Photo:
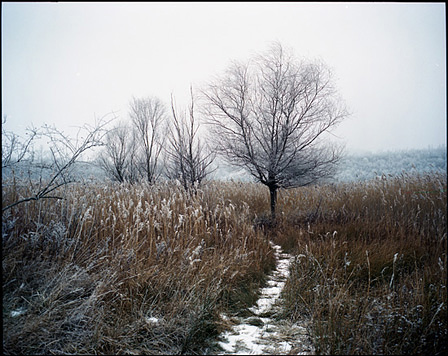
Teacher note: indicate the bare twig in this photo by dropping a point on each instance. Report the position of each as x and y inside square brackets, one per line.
[64, 160]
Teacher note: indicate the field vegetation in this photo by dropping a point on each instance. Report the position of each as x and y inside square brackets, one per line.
[120, 268]
[370, 264]
[148, 269]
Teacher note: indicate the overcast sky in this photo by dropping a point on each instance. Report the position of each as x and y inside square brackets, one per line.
[65, 63]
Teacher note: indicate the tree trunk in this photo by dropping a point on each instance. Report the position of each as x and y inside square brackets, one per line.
[273, 193]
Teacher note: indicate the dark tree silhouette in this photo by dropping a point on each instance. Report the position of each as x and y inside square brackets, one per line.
[189, 157]
[148, 118]
[118, 158]
[270, 115]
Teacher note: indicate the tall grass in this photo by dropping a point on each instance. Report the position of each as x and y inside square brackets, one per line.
[370, 265]
[132, 269]
[127, 268]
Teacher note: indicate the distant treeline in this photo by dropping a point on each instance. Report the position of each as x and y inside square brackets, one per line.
[353, 167]
[361, 167]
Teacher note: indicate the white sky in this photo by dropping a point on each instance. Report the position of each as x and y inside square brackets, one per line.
[65, 63]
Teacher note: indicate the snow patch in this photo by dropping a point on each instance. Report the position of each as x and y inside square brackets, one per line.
[151, 320]
[263, 335]
[18, 312]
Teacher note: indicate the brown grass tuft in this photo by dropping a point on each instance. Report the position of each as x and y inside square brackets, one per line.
[370, 266]
[140, 269]
[128, 268]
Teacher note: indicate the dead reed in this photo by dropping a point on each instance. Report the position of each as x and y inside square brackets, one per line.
[119, 269]
[132, 269]
[370, 266]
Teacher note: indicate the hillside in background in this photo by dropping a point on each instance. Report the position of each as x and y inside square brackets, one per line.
[366, 166]
[353, 167]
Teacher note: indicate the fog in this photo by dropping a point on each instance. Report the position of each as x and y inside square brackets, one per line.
[67, 63]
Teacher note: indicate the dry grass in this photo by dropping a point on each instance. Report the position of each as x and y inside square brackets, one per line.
[370, 267]
[127, 269]
[122, 269]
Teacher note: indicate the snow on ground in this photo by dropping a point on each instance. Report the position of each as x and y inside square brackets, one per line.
[261, 333]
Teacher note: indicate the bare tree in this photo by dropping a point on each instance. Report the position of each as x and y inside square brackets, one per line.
[65, 151]
[14, 148]
[148, 115]
[118, 158]
[270, 115]
[189, 157]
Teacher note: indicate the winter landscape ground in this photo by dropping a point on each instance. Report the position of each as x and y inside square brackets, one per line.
[348, 267]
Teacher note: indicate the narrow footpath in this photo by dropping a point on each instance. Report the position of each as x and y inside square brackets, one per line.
[262, 333]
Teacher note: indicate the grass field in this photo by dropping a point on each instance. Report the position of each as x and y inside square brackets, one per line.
[370, 266]
[139, 269]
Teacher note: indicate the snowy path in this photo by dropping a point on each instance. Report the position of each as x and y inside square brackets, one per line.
[261, 333]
